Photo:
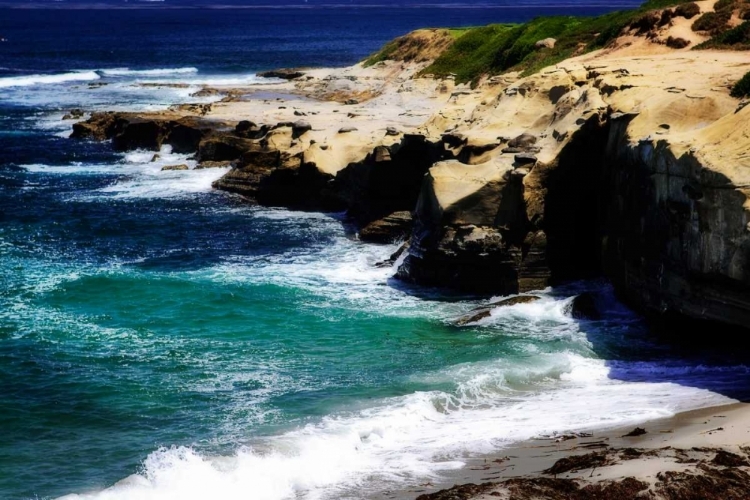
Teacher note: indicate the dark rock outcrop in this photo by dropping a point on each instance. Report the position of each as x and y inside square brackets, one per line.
[485, 312]
[284, 74]
[583, 306]
[520, 231]
[129, 131]
[393, 227]
[676, 240]
[388, 180]
[470, 243]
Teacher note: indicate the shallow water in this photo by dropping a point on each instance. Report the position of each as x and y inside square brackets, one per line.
[162, 340]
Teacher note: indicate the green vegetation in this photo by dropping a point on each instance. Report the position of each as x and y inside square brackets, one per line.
[474, 52]
[717, 22]
[737, 38]
[470, 55]
[457, 33]
[742, 87]
[687, 10]
[497, 48]
[384, 54]
[712, 22]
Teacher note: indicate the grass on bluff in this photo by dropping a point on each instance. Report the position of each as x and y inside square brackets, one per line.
[497, 48]
[737, 38]
[742, 87]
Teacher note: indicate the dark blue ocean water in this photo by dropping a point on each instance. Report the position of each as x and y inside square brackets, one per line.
[160, 340]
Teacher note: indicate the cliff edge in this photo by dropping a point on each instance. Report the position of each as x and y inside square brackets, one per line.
[558, 150]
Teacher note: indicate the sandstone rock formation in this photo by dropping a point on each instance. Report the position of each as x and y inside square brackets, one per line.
[629, 163]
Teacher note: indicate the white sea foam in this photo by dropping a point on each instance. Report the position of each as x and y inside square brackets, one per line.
[217, 80]
[29, 80]
[411, 438]
[139, 177]
[146, 179]
[148, 72]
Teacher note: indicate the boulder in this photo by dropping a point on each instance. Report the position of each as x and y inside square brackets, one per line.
[583, 306]
[176, 167]
[351, 102]
[284, 74]
[393, 227]
[392, 131]
[347, 130]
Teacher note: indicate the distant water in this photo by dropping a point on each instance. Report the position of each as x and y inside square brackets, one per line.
[159, 340]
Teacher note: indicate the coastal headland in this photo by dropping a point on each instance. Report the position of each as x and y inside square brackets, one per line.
[513, 158]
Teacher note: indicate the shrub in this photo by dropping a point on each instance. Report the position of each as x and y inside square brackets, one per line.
[687, 10]
[737, 38]
[677, 43]
[712, 22]
[723, 5]
[742, 87]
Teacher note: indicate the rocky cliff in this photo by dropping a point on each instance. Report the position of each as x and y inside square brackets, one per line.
[629, 162]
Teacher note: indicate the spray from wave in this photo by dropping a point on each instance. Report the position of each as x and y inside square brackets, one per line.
[30, 80]
[148, 72]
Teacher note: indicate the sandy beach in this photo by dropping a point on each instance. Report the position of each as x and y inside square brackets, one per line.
[687, 443]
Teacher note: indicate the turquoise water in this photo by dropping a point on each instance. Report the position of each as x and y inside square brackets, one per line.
[161, 340]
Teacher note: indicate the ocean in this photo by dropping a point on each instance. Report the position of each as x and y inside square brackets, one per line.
[161, 340]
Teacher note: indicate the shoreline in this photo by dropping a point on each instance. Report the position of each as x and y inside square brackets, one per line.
[481, 147]
[683, 443]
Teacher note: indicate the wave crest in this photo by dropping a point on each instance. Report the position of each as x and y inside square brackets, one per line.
[148, 72]
[30, 80]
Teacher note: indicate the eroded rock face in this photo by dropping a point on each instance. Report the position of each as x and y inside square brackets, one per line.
[466, 229]
[391, 228]
[676, 239]
[496, 228]
[129, 131]
[388, 180]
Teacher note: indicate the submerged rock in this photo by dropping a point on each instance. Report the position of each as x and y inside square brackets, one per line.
[73, 114]
[284, 74]
[583, 307]
[485, 312]
[513, 301]
[176, 167]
